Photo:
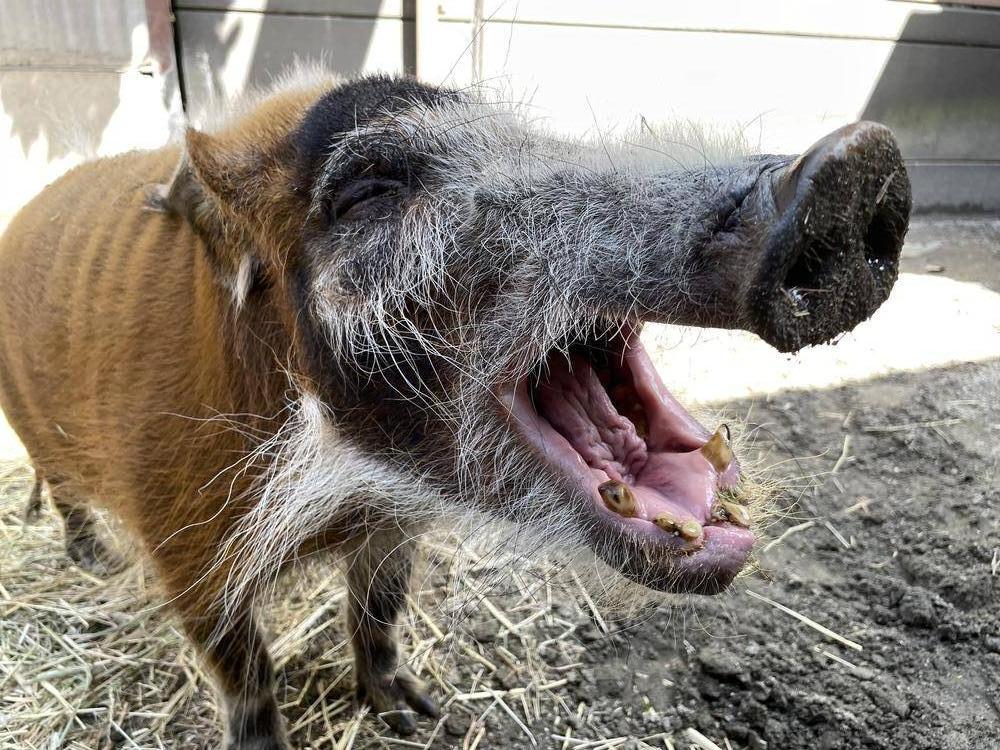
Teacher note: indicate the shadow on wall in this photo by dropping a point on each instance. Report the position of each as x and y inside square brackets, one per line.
[60, 66]
[80, 80]
[68, 114]
[940, 93]
[224, 53]
[63, 79]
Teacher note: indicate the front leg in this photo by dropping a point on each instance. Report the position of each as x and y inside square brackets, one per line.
[378, 580]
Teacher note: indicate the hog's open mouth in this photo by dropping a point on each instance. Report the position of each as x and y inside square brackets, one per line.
[659, 484]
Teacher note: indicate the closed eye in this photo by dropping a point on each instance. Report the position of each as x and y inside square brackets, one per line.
[363, 200]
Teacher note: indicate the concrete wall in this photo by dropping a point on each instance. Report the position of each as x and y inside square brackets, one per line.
[227, 46]
[85, 78]
[79, 79]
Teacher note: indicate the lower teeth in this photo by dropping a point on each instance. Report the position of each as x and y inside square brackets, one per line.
[667, 522]
[618, 498]
[738, 514]
[689, 530]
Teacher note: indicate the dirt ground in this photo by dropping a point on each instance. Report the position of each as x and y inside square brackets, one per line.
[901, 555]
[874, 622]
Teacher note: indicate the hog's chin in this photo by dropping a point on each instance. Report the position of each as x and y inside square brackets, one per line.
[654, 478]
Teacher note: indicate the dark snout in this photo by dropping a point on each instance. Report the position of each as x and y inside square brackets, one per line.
[829, 251]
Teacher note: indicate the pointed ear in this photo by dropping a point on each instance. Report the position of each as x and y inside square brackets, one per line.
[227, 167]
[183, 195]
[214, 187]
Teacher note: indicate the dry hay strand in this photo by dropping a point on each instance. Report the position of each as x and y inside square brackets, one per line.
[91, 663]
[85, 662]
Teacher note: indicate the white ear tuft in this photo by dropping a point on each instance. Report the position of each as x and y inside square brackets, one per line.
[242, 281]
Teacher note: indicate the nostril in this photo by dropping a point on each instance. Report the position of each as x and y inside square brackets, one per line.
[882, 243]
[819, 260]
[805, 271]
[832, 254]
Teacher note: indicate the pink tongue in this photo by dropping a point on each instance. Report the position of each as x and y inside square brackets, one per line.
[576, 404]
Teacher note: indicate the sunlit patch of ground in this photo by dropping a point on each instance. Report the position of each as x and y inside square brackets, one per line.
[928, 321]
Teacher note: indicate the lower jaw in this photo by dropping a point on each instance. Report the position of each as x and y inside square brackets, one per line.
[635, 546]
[641, 555]
[684, 484]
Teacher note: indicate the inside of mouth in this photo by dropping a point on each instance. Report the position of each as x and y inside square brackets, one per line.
[603, 414]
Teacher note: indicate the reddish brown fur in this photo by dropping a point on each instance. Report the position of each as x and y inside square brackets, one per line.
[118, 342]
[119, 349]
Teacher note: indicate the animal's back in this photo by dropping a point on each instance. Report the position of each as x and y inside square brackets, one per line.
[99, 304]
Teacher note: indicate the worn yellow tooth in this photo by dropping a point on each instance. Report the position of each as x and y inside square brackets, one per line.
[667, 522]
[717, 450]
[690, 530]
[619, 498]
[738, 514]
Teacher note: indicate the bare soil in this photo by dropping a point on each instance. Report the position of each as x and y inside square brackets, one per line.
[902, 557]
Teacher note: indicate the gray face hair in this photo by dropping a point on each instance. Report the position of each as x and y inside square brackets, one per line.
[483, 251]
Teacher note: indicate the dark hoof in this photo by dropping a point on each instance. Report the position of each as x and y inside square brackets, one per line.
[255, 724]
[33, 508]
[90, 553]
[396, 698]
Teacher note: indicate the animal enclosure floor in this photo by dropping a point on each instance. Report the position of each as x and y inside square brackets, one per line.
[896, 551]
